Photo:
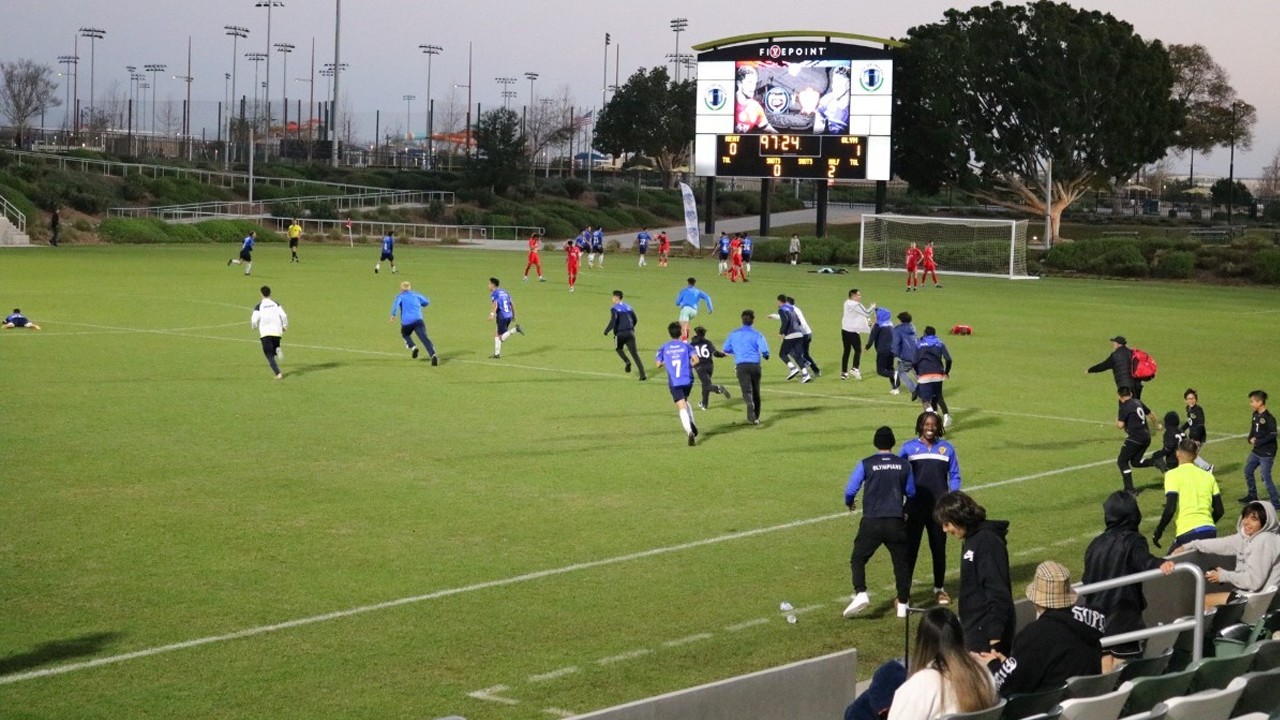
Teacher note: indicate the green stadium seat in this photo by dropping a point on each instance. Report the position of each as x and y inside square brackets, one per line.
[1083, 686]
[1098, 707]
[1261, 693]
[992, 713]
[1208, 705]
[1146, 667]
[1216, 673]
[1024, 705]
[1147, 692]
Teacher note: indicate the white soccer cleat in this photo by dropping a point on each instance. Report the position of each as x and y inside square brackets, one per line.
[895, 391]
[857, 374]
[946, 421]
[860, 602]
[794, 372]
[902, 609]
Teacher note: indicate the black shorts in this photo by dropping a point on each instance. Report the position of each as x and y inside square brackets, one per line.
[724, 254]
[680, 392]
[387, 256]
[246, 255]
[293, 242]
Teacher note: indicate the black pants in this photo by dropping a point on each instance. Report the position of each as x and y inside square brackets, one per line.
[793, 349]
[628, 340]
[1131, 453]
[852, 341]
[704, 370]
[892, 533]
[749, 381]
[808, 357]
[271, 343]
[884, 367]
[919, 521]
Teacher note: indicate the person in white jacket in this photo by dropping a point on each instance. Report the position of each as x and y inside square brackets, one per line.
[270, 321]
[1256, 546]
[943, 677]
[855, 323]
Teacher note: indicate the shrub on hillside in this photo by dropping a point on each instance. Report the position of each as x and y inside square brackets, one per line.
[1266, 267]
[574, 187]
[132, 230]
[231, 231]
[1175, 264]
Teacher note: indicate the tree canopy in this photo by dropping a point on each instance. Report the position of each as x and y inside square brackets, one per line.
[500, 160]
[26, 90]
[650, 115]
[985, 98]
[1215, 117]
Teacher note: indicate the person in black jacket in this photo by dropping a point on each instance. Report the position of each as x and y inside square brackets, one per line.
[1062, 642]
[1120, 363]
[707, 353]
[1120, 550]
[1194, 428]
[1132, 418]
[986, 595]
[622, 323]
[888, 483]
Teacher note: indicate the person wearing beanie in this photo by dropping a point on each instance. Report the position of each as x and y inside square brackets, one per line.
[888, 483]
[1063, 641]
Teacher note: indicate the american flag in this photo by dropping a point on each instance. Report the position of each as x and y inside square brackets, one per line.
[584, 120]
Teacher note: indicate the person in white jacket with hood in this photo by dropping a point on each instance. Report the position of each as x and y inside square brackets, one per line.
[1256, 546]
[270, 321]
[855, 322]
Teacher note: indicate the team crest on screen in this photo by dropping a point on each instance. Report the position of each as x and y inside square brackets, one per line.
[715, 97]
[872, 78]
[776, 100]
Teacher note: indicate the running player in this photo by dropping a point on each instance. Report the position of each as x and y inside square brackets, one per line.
[642, 245]
[913, 267]
[246, 253]
[678, 357]
[388, 252]
[535, 244]
[707, 353]
[723, 245]
[664, 249]
[687, 300]
[503, 311]
[295, 234]
[597, 248]
[572, 259]
[930, 267]
[622, 323]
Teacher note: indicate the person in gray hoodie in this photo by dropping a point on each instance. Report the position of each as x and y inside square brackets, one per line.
[1257, 550]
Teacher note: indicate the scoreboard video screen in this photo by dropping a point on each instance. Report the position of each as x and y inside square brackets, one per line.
[813, 110]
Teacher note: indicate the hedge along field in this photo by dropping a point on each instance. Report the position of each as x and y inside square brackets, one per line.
[535, 522]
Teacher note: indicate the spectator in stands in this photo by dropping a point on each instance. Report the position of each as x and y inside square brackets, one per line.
[1062, 642]
[986, 596]
[943, 677]
[1192, 495]
[1120, 550]
[874, 702]
[1256, 547]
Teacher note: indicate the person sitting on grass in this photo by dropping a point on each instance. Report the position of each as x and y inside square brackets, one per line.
[1257, 550]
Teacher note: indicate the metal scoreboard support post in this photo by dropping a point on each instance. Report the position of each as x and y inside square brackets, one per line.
[800, 105]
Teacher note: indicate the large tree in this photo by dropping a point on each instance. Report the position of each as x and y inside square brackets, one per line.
[500, 160]
[26, 90]
[650, 115]
[990, 95]
[1205, 91]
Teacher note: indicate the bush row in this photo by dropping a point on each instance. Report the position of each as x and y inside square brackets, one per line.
[1252, 258]
[151, 230]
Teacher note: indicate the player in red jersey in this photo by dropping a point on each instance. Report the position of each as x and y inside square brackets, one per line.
[735, 259]
[664, 249]
[535, 244]
[749, 115]
[572, 257]
[914, 256]
[930, 267]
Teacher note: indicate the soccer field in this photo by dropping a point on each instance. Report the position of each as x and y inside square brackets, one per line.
[185, 536]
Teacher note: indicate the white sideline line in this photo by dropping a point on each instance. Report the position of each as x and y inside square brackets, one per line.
[544, 677]
[808, 608]
[621, 657]
[687, 639]
[745, 625]
[487, 694]
[489, 584]
[559, 712]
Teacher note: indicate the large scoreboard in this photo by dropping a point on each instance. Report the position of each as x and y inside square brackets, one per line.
[797, 109]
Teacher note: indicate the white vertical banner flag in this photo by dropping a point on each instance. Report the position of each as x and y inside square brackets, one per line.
[690, 214]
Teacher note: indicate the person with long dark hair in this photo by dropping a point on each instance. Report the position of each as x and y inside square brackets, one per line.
[986, 593]
[943, 677]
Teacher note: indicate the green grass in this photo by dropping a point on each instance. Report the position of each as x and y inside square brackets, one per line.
[159, 486]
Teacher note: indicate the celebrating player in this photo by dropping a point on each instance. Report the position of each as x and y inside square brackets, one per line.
[930, 267]
[664, 248]
[914, 256]
[572, 259]
[535, 244]
[723, 244]
[503, 311]
[597, 248]
[408, 305]
[622, 323]
[687, 300]
[735, 260]
[388, 252]
[678, 357]
[749, 114]
[642, 245]
[17, 320]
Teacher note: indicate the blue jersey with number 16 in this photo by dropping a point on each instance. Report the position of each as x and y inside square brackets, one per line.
[677, 357]
[503, 302]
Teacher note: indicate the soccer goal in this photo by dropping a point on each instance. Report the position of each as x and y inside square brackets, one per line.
[961, 246]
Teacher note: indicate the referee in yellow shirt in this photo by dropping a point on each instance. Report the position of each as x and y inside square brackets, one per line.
[295, 233]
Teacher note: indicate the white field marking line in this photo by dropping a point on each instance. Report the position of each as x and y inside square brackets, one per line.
[559, 712]
[622, 657]
[688, 639]
[881, 401]
[488, 584]
[745, 625]
[554, 674]
[807, 609]
[488, 694]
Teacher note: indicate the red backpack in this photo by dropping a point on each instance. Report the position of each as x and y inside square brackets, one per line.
[1144, 366]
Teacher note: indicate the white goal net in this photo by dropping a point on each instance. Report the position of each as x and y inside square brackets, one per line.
[961, 246]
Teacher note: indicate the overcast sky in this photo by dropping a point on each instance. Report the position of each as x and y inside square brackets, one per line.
[562, 40]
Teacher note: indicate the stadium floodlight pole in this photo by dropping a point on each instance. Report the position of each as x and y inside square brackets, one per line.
[604, 82]
[678, 25]
[154, 68]
[284, 49]
[1231, 168]
[505, 82]
[266, 95]
[408, 114]
[70, 61]
[531, 76]
[507, 97]
[256, 58]
[94, 35]
[430, 51]
[236, 32]
[337, 67]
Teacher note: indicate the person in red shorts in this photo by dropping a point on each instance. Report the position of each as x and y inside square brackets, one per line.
[664, 249]
[735, 260]
[930, 267]
[572, 257]
[914, 256]
[535, 244]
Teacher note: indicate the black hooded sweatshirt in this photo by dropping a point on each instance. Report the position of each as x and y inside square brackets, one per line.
[1060, 644]
[986, 596]
[1120, 550]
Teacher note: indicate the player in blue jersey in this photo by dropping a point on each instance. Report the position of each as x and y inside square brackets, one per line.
[583, 241]
[597, 248]
[388, 252]
[748, 246]
[246, 253]
[679, 357]
[687, 300]
[643, 238]
[17, 320]
[722, 252]
[503, 311]
[409, 305]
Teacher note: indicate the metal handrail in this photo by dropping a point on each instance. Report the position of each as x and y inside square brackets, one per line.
[19, 217]
[234, 207]
[1197, 620]
[415, 231]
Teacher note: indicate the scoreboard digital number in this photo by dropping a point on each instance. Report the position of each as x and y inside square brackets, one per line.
[815, 157]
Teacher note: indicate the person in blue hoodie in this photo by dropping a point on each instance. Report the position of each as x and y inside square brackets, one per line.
[904, 350]
[408, 304]
[936, 470]
[933, 365]
[881, 338]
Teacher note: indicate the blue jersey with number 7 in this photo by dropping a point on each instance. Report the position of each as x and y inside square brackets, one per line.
[677, 357]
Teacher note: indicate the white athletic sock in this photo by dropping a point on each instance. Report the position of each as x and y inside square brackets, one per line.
[235, 261]
[506, 335]
[377, 267]
[247, 268]
[686, 421]
[497, 346]
[791, 365]
[748, 267]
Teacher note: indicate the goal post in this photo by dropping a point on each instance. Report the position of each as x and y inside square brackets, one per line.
[981, 247]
